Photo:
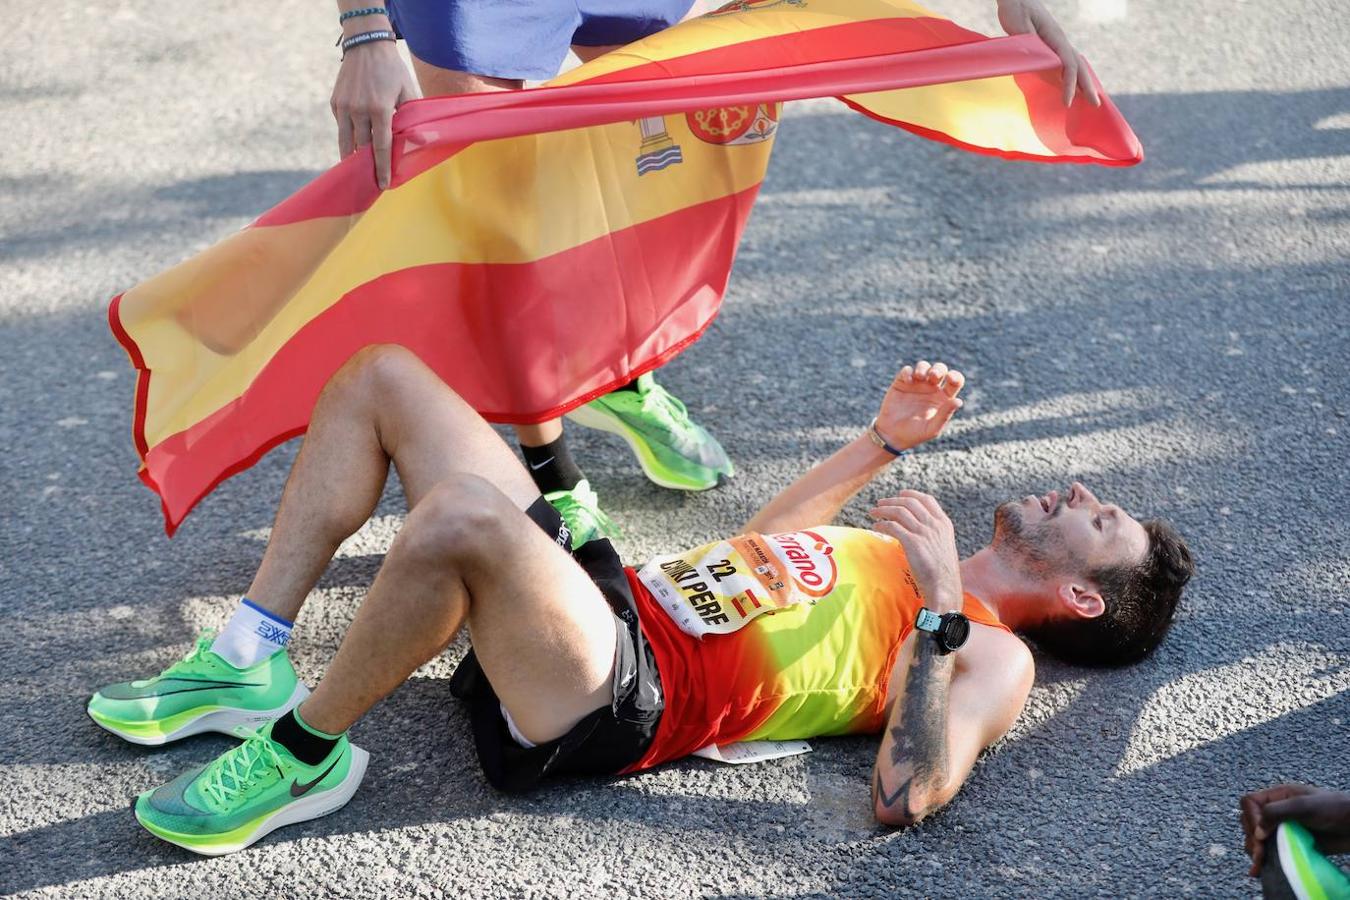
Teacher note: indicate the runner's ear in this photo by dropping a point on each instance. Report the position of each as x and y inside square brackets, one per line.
[1080, 601]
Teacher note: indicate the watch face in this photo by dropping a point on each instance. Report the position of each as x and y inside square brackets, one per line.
[955, 630]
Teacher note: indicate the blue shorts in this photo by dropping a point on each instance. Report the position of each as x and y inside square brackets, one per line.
[525, 39]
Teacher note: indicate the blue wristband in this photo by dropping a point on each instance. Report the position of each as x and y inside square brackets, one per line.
[881, 441]
[357, 13]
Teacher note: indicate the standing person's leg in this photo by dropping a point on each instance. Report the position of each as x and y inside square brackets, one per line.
[673, 450]
[466, 552]
[460, 48]
[464, 46]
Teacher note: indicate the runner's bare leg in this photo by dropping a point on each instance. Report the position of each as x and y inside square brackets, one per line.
[466, 553]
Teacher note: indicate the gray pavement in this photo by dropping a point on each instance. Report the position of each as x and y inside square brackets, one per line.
[1174, 334]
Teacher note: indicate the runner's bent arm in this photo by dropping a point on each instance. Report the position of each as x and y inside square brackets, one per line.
[945, 711]
[945, 708]
[917, 406]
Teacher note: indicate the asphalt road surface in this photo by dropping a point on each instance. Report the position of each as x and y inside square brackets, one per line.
[1175, 334]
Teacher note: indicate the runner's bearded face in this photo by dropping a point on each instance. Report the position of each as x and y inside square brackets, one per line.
[1066, 533]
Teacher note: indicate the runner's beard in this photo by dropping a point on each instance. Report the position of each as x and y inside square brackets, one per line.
[1035, 550]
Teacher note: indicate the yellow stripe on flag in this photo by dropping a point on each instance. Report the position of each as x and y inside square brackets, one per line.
[990, 112]
[509, 201]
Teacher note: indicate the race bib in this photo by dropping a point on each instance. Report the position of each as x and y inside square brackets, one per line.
[720, 587]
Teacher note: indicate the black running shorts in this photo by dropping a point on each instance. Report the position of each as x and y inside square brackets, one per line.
[606, 741]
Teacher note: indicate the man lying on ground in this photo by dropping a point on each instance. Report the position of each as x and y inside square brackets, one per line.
[579, 665]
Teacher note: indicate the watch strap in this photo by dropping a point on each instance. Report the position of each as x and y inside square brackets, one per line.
[881, 442]
[928, 621]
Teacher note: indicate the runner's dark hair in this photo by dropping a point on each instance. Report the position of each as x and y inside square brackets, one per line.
[1141, 601]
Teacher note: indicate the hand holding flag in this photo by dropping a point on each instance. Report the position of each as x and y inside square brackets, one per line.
[1030, 17]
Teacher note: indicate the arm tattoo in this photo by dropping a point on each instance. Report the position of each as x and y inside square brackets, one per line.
[919, 732]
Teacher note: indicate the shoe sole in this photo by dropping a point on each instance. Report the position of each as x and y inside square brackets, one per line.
[232, 720]
[590, 418]
[313, 807]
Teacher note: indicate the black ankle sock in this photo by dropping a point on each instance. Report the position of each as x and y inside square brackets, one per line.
[630, 386]
[305, 744]
[552, 467]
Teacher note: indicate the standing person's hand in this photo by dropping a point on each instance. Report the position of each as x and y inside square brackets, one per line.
[1326, 814]
[1030, 17]
[917, 521]
[371, 83]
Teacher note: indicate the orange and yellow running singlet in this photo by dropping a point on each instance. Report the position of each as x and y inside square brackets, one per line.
[777, 636]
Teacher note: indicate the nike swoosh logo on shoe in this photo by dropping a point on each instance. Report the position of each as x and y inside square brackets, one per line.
[299, 789]
[126, 692]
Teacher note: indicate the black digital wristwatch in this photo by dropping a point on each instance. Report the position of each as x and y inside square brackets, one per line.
[950, 630]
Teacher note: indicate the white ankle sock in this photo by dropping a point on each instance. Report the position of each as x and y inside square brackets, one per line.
[251, 635]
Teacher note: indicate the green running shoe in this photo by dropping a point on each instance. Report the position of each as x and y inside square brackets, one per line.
[200, 692]
[249, 792]
[581, 513]
[673, 451]
[1297, 869]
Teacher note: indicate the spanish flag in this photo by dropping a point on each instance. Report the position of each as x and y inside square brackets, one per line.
[538, 248]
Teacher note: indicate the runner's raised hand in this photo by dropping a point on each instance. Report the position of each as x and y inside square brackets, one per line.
[919, 403]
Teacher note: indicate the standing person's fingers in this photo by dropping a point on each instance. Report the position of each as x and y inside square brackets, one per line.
[955, 381]
[382, 142]
[1277, 811]
[360, 129]
[1069, 74]
[346, 140]
[1250, 810]
[1058, 41]
[1087, 84]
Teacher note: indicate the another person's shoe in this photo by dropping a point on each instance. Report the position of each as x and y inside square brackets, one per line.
[247, 793]
[200, 692]
[1295, 869]
[673, 451]
[581, 513]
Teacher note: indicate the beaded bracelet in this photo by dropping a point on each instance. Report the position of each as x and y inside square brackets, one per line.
[881, 442]
[357, 13]
[366, 37]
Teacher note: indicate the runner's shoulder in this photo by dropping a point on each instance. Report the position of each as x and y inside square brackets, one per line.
[998, 651]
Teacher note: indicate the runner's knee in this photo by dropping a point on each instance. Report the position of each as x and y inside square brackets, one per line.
[463, 519]
[367, 371]
[380, 369]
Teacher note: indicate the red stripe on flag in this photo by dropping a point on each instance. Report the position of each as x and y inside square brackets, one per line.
[785, 69]
[675, 293]
[1102, 128]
